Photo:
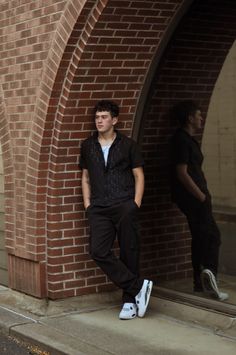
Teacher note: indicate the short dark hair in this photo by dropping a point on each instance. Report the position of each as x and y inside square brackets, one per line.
[107, 105]
[183, 109]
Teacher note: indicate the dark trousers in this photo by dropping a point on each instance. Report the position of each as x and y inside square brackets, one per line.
[206, 237]
[105, 224]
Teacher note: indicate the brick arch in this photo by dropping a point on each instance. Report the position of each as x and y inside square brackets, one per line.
[39, 146]
[32, 254]
[64, 205]
[114, 64]
[145, 91]
[5, 141]
[188, 69]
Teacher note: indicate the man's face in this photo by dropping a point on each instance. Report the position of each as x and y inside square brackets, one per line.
[196, 120]
[104, 121]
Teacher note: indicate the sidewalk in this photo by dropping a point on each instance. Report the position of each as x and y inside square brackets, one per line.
[90, 325]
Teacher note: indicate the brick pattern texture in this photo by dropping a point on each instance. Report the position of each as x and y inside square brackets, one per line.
[57, 59]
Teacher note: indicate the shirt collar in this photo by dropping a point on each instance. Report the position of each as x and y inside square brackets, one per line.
[118, 136]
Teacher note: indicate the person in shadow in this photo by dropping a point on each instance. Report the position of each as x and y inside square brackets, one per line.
[191, 194]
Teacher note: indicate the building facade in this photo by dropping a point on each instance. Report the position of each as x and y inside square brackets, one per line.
[58, 58]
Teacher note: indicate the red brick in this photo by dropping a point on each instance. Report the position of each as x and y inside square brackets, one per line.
[49, 113]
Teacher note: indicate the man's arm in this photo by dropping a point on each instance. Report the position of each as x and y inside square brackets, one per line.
[187, 181]
[86, 191]
[139, 184]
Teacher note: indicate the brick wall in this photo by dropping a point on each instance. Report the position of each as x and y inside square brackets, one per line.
[113, 64]
[27, 29]
[57, 60]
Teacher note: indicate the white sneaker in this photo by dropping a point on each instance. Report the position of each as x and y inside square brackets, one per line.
[210, 285]
[129, 311]
[142, 298]
[223, 296]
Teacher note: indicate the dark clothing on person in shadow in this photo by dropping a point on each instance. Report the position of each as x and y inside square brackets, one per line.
[205, 234]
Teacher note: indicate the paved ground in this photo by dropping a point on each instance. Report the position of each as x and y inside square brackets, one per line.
[12, 346]
[90, 325]
[9, 346]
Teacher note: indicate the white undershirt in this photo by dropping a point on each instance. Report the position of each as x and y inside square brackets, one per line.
[105, 150]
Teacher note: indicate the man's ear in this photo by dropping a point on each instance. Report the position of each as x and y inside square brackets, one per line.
[190, 118]
[114, 120]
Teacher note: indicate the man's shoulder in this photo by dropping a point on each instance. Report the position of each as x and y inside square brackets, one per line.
[124, 138]
[181, 135]
[88, 140]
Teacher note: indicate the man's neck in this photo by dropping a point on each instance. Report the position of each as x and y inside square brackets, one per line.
[107, 137]
[189, 129]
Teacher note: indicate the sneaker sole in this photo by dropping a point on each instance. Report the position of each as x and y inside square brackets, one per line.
[147, 297]
[223, 296]
[129, 311]
[211, 288]
[124, 318]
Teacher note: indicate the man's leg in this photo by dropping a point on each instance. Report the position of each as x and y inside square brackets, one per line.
[196, 250]
[205, 247]
[128, 238]
[102, 236]
[103, 225]
[191, 214]
[212, 241]
[212, 237]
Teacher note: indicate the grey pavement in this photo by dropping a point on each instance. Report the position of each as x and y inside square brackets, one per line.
[90, 325]
[11, 346]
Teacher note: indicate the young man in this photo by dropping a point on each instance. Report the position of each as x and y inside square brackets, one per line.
[112, 187]
[190, 193]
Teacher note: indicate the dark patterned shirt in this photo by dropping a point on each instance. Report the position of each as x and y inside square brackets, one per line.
[186, 150]
[114, 182]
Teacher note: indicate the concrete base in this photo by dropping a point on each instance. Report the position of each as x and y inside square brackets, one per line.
[90, 325]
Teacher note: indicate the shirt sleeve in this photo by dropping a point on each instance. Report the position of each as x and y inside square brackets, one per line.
[82, 159]
[136, 156]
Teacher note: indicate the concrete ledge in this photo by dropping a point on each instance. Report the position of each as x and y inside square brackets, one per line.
[90, 325]
[54, 341]
[10, 319]
[203, 302]
[191, 314]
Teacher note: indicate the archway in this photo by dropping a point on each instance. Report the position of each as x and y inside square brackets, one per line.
[7, 192]
[108, 51]
[98, 63]
[3, 254]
